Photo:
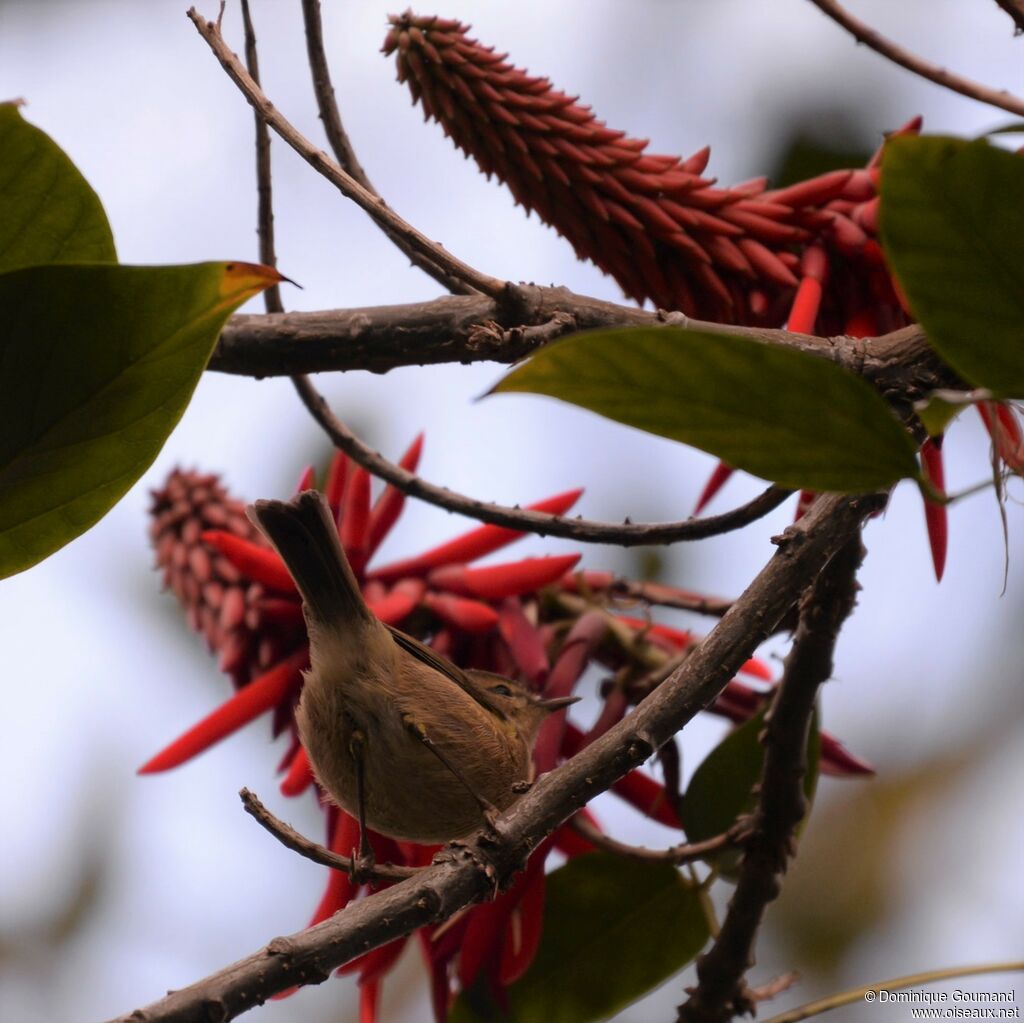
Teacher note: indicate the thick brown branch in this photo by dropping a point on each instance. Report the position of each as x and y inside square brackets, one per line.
[721, 992]
[865, 34]
[342, 148]
[378, 210]
[466, 872]
[627, 534]
[465, 329]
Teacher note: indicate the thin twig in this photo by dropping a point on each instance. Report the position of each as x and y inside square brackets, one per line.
[378, 210]
[627, 534]
[291, 839]
[466, 872]
[264, 190]
[678, 854]
[662, 595]
[1015, 9]
[721, 992]
[865, 34]
[830, 1002]
[342, 148]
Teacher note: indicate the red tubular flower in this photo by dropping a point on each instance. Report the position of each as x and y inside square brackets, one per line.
[653, 222]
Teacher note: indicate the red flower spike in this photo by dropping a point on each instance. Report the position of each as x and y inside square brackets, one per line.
[665, 234]
[281, 611]
[334, 485]
[806, 303]
[587, 581]
[472, 545]
[716, 481]
[374, 964]
[524, 641]
[468, 615]
[636, 788]
[260, 564]
[614, 710]
[259, 696]
[838, 761]
[935, 514]
[340, 889]
[389, 505]
[482, 942]
[299, 776]
[397, 605]
[307, 481]
[355, 520]
[570, 843]
[369, 996]
[580, 642]
[677, 638]
[494, 582]
[862, 324]
[525, 925]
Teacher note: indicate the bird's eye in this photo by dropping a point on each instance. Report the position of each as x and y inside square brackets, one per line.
[502, 690]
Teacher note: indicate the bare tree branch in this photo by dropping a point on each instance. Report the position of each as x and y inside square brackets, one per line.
[469, 871]
[467, 329]
[1015, 9]
[678, 854]
[865, 34]
[721, 992]
[627, 534]
[264, 189]
[291, 839]
[378, 210]
[342, 148]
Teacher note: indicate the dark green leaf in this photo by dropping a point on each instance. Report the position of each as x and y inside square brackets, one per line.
[613, 930]
[48, 212]
[788, 417]
[97, 363]
[952, 223]
[722, 787]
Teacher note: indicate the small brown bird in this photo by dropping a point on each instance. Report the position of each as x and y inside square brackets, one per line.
[413, 746]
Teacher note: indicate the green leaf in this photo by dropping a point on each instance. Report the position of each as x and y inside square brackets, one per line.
[795, 419]
[952, 224]
[48, 212]
[722, 787]
[97, 364]
[613, 930]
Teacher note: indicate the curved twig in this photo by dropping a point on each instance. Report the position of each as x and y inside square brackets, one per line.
[677, 854]
[627, 534]
[339, 142]
[830, 1002]
[291, 839]
[378, 210]
[873, 39]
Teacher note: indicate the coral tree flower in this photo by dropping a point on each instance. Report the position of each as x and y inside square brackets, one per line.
[536, 619]
[806, 255]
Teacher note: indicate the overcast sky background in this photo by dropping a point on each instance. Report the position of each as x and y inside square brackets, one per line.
[99, 669]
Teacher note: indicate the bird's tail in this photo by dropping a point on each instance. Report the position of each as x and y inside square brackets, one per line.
[305, 535]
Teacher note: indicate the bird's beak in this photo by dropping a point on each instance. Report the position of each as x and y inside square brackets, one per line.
[558, 702]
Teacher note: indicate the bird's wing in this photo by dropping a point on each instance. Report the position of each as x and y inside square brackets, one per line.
[441, 664]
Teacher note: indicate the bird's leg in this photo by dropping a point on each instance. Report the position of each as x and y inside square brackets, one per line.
[487, 809]
[365, 862]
